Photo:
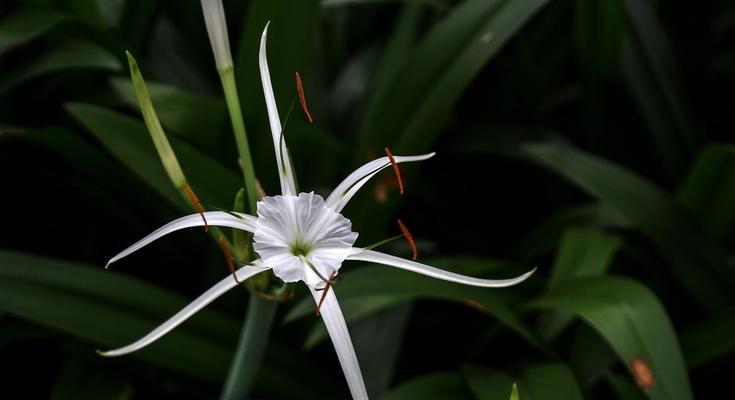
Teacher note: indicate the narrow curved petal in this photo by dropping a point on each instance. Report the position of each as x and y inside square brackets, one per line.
[210, 295]
[385, 259]
[337, 329]
[342, 194]
[215, 218]
[285, 172]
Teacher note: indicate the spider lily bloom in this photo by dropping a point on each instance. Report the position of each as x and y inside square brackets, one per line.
[301, 237]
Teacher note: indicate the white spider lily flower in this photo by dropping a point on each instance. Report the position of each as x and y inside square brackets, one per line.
[301, 237]
[214, 19]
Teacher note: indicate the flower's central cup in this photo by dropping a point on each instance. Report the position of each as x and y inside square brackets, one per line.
[301, 238]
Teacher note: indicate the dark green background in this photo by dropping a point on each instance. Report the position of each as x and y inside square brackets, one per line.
[590, 138]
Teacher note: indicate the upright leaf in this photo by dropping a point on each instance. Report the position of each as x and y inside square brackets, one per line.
[709, 189]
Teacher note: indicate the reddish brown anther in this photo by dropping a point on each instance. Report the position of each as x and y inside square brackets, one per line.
[197, 205]
[474, 305]
[324, 293]
[408, 237]
[302, 98]
[228, 257]
[395, 169]
[641, 372]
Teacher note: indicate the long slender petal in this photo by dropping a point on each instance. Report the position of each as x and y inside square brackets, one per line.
[385, 259]
[342, 194]
[210, 295]
[337, 329]
[285, 172]
[215, 218]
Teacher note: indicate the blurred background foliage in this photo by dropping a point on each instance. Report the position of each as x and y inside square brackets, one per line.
[589, 138]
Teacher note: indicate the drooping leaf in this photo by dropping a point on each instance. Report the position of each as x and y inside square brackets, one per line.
[696, 260]
[27, 25]
[69, 55]
[195, 117]
[633, 322]
[127, 139]
[107, 309]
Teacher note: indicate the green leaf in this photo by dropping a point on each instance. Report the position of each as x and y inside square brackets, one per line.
[709, 189]
[550, 382]
[538, 382]
[583, 252]
[709, 340]
[546, 235]
[69, 55]
[128, 140]
[363, 291]
[82, 380]
[489, 384]
[695, 259]
[514, 393]
[624, 387]
[108, 309]
[649, 72]
[599, 34]
[439, 70]
[633, 322]
[438, 385]
[27, 25]
[195, 117]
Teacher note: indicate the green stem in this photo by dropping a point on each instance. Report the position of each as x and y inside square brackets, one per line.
[227, 76]
[250, 349]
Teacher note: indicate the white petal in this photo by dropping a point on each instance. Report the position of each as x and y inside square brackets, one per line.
[339, 197]
[210, 295]
[214, 218]
[304, 222]
[385, 259]
[337, 328]
[214, 19]
[288, 186]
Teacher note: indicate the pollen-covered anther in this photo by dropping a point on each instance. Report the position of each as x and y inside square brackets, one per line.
[642, 373]
[197, 205]
[228, 258]
[409, 237]
[302, 97]
[395, 168]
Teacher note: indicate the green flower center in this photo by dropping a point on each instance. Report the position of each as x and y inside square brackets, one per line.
[299, 249]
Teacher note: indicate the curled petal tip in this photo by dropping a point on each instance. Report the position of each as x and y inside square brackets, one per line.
[107, 266]
[527, 274]
[103, 353]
